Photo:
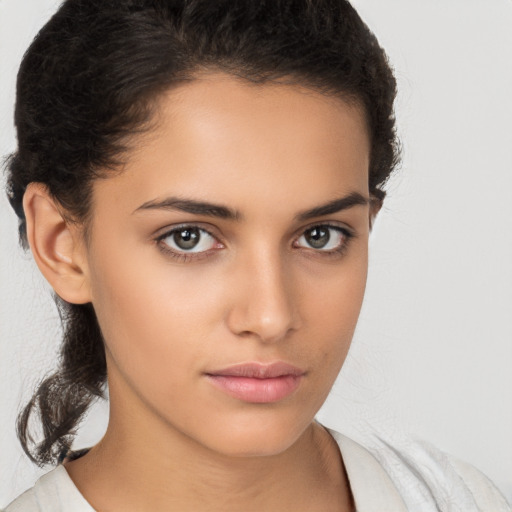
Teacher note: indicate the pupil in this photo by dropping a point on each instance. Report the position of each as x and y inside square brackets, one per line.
[318, 237]
[186, 238]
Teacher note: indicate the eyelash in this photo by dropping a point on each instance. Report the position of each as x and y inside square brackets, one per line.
[185, 256]
[337, 252]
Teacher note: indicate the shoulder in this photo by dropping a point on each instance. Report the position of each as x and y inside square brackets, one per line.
[53, 492]
[424, 477]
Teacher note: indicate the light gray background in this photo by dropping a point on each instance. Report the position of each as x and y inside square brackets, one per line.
[432, 355]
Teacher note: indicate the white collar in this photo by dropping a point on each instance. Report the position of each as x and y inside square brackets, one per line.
[371, 486]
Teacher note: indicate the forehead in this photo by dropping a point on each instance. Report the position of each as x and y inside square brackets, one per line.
[222, 138]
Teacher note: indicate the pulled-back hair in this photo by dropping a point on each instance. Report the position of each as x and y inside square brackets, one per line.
[90, 80]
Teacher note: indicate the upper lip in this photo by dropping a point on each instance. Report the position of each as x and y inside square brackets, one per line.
[258, 370]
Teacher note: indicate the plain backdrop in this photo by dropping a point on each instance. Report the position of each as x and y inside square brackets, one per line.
[432, 356]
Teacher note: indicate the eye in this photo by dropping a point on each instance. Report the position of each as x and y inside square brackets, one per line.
[324, 238]
[188, 239]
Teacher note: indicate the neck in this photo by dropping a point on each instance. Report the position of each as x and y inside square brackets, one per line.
[129, 471]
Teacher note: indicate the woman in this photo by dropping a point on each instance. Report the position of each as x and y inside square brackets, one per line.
[197, 182]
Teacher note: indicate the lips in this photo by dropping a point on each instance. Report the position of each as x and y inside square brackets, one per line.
[256, 382]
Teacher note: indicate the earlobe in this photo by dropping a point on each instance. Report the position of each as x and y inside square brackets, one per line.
[56, 245]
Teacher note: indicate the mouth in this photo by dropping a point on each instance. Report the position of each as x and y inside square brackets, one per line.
[256, 382]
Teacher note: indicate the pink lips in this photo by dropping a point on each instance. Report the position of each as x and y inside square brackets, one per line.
[256, 382]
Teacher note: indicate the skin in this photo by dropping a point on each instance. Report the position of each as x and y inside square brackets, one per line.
[258, 292]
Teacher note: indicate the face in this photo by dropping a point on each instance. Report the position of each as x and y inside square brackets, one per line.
[227, 263]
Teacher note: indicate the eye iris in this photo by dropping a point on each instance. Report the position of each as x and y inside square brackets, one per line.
[186, 238]
[318, 237]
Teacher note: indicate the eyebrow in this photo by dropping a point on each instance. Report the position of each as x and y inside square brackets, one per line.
[191, 206]
[223, 212]
[337, 205]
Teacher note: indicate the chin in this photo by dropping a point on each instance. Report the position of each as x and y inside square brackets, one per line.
[260, 435]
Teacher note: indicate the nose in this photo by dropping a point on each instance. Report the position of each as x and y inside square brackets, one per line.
[264, 305]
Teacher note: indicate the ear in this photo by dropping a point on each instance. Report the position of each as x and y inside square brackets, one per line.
[57, 245]
[375, 206]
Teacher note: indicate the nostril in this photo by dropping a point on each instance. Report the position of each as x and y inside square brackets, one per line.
[263, 298]
[270, 328]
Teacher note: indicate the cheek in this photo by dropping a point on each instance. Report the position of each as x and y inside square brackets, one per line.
[153, 318]
[334, 293]
[164, 323]
[331, 308]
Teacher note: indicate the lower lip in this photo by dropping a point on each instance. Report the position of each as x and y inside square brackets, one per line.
[260, 391]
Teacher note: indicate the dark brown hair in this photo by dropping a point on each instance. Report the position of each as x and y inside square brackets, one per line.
[89, 80]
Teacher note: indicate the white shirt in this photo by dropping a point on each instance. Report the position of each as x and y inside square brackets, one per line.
[383, 480]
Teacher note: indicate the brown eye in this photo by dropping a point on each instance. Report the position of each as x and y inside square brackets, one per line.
[189, 239]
